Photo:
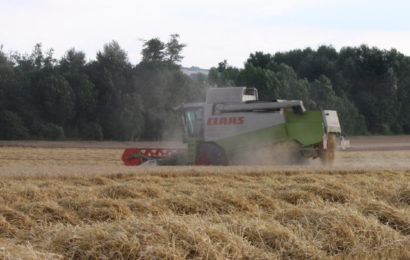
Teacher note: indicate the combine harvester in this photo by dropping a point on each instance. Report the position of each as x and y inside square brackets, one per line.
[234, 127]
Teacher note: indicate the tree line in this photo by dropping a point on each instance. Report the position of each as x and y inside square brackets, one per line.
[110, 99]
[369, 87]
[103, 99]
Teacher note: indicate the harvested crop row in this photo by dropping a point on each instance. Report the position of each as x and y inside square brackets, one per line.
[208, 212]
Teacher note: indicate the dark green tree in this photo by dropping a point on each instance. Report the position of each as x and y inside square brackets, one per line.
[56, 98]
[12, 127]
[153, 50]
[112, 76]
[73, 68]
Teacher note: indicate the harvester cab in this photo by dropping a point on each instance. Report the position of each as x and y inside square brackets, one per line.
[193, 121]
[233, 126]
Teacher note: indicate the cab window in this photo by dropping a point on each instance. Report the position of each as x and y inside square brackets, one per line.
[194, 122]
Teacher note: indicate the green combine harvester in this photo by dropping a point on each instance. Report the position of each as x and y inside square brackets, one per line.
[233, 127]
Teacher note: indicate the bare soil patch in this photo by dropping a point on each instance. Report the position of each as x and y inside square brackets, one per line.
[90, 144]
[379, 143]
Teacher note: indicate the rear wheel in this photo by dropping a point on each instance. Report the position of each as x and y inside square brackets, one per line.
[210, 154]
[327, 156]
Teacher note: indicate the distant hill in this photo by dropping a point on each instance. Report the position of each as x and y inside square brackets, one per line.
[194, 70]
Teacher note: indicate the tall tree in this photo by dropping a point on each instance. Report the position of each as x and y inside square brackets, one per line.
[174, 49]
[111, 74]
[72, 67]
[153, 50]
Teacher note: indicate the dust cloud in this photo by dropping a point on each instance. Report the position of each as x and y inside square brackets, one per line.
[288, 154]
[284, 153]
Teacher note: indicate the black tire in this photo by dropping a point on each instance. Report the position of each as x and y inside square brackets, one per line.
[210, 154]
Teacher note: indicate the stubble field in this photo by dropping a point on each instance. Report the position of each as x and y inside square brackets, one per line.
[81, 203]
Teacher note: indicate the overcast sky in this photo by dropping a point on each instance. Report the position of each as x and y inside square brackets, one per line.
[213, 30]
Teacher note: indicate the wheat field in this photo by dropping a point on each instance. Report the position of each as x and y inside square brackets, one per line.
[77, 203]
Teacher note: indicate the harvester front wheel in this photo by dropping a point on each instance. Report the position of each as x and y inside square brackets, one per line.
[327, 156]
[210, 154]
